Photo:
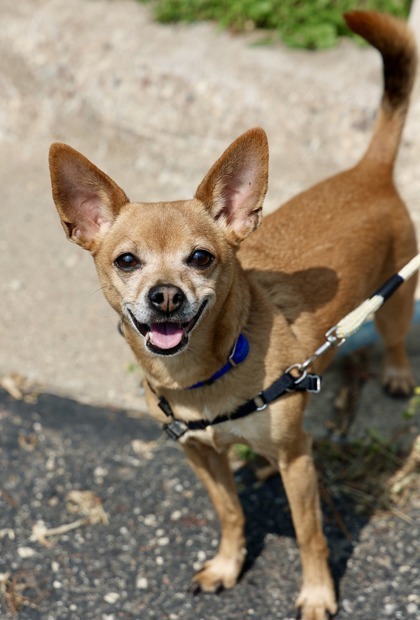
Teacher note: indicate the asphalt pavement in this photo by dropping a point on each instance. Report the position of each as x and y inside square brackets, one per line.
[102, 519]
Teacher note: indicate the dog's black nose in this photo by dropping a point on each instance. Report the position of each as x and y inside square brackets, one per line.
[166, 298]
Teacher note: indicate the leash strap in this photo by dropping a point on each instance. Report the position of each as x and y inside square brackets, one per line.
[286, 383]
[355, 319]
[337, 335]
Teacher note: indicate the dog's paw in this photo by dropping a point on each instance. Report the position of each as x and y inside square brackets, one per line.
[217, 574]
[317, 602]
[398, 381]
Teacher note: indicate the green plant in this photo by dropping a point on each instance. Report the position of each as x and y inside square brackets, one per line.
[413, 405]
[244, 453]
[310, 24]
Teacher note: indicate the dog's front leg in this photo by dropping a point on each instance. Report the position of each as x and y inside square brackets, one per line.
[214, 471]
[317, 596]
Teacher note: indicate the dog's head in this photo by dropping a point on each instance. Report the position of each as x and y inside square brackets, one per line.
[163, 266]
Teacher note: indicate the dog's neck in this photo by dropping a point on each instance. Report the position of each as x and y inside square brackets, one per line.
[210, 344]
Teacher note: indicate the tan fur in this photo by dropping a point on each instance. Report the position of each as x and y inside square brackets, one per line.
[283, 286]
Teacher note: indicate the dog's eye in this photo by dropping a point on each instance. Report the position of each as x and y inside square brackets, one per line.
[127, 262]
[200, 259]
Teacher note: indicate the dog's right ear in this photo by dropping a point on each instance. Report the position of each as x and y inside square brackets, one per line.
[87, 200]
[234, 189]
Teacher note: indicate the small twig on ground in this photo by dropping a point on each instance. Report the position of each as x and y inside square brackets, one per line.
[84, 502]
[13, 588]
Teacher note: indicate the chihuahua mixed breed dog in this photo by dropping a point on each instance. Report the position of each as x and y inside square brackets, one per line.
[190, 281]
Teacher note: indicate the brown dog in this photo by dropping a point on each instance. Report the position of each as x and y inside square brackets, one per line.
[173, 273]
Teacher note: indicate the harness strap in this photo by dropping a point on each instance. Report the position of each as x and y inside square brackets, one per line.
[286, 383]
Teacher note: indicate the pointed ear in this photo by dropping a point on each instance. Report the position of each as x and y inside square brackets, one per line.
[87, 200]
[234, 189]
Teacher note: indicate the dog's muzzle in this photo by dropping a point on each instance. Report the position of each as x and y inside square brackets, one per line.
[165, 335]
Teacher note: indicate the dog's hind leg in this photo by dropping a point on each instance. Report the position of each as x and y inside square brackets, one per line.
[317, 596]
[393, 323]
[214, 471]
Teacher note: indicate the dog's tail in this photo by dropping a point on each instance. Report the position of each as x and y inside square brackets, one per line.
[394, 40]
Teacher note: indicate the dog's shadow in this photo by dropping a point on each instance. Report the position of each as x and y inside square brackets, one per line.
[319, 285]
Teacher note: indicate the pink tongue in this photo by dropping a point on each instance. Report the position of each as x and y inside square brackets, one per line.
[166, 335]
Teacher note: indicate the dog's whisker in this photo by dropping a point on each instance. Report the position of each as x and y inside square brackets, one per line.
[98, 290]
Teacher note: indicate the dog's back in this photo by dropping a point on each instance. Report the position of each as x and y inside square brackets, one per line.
[354, 224]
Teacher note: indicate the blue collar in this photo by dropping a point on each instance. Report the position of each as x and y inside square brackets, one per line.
[238, 354]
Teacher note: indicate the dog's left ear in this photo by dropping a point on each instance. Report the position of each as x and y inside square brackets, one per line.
[234, 189]
[87, 200]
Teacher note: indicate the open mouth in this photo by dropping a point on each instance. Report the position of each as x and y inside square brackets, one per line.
[166, 337]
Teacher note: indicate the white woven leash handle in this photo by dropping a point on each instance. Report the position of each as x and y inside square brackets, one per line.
[355, 319]
[410, 269]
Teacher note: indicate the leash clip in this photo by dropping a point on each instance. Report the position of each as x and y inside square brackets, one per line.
[333, 339]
